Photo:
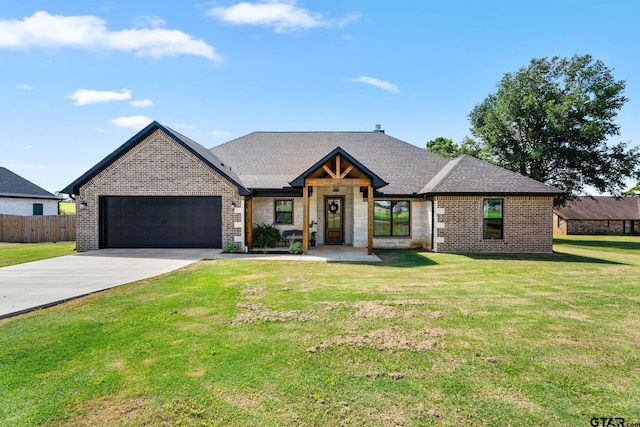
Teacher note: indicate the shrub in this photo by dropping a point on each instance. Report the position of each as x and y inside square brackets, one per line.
[230, 246]
[295, 248]
[265, 235]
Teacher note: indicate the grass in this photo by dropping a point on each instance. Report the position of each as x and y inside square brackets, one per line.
[17, 253]
[423, 339]
[67, 208]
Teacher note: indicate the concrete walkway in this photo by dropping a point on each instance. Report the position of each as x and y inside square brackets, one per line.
[321, 253]
[25, 287]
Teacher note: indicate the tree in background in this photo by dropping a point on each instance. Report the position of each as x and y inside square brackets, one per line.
[445, 147]
[551, 121]
[633, 191]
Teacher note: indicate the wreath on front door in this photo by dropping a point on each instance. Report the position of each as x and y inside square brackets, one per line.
[333, 207]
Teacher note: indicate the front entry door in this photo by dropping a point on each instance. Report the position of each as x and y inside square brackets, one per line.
[334, 220]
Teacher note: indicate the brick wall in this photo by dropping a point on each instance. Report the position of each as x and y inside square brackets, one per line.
[559, 226]
[527, 225]
[157, 166]
[599, 227]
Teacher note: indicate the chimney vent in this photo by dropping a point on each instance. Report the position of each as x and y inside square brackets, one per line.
[378, 129]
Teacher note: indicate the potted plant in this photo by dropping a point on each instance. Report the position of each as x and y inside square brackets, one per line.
[314, 234]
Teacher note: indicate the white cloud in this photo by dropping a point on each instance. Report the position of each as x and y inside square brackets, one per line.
[87, 96]
[377, 83]
[220, 134]
[149, 21]
[25, 87]
[143, 103]
[341, 22]
[283, 15]
[133, 122]
[90, 33]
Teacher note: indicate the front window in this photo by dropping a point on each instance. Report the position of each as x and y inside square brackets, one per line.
[38, 209]
[283, 211]
[392, 218]
[492, 221]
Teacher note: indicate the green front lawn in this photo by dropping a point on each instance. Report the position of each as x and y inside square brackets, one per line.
[422, 339]
[17, 253]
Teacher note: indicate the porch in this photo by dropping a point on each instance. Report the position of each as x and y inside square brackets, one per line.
[337, 204]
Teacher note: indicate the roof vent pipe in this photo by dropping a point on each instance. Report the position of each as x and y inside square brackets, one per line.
[378, 129]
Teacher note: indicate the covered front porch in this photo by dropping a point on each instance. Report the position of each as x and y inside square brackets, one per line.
[333, 205]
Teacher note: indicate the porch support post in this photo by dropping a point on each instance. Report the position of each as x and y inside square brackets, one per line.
[305, 220]
[249, 223]
[370, 220]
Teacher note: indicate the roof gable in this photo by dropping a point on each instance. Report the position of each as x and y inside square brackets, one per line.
[13, 185]
[194, 148]
[469, 175]
[376, 181]
[601, 208]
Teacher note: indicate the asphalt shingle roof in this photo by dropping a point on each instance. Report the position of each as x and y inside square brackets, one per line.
[468, 175]
[270, 160]
[206, 155]
[601, 208]
[13, 185]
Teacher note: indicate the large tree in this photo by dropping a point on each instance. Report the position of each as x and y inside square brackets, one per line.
[445, 147]
[552, 121]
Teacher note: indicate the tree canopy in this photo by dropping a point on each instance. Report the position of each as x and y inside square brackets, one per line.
[633, 191]
[552, 121]
[445, 147]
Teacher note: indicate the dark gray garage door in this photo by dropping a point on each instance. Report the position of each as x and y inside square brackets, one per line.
[160, 222]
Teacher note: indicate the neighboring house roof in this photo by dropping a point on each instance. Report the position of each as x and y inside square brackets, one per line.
[271, 160]
[469, 175]
[601, 208]
[198, 150]
[13, 185]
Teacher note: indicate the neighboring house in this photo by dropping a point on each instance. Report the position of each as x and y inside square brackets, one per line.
[21, 197]
[599, 215]
[366, 189]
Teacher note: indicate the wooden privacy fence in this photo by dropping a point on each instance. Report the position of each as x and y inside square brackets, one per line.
[36, 229]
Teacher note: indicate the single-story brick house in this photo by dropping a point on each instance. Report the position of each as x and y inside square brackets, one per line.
[600, 215]
[365, 189]
[19, 196]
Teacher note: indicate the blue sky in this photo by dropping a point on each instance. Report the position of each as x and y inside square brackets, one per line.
[80, 78]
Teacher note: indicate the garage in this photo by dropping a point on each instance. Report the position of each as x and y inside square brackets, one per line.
[160, 222]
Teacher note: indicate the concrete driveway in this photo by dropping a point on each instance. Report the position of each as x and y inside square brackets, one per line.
[25, 287]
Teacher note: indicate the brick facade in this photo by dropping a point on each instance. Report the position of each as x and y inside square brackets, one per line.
[527, 225]
[157, 166]
[592, 227]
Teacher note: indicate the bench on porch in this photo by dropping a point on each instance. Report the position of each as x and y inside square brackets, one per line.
[290, 236]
